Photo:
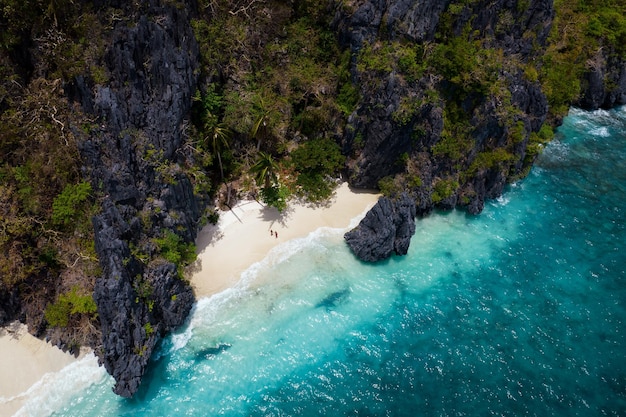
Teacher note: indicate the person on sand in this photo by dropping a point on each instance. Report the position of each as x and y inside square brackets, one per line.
[276, 234]
[271, 232]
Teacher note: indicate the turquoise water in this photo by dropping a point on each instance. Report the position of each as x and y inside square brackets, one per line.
[518, 311]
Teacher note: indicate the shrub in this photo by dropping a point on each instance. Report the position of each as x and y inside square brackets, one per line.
[175, 250]
[68, 204]
[489, 159]
[387, 186]
[72, 303]
[443, 189]
[148, 329]
[378, 58]
[407, 110]
[316, 161]
[517, 133]
[408, 62]
[347, 98]
[275, 196]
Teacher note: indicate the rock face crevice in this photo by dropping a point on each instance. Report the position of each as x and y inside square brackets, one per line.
[605, 82]
[133, 156]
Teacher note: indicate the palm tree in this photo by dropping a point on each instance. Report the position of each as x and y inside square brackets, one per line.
[259, 126]
[217, 136]
[272, 193]
[265, 114]
[265, 169]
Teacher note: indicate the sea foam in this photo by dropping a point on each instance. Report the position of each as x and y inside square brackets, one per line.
[517, 311]
[57, 388]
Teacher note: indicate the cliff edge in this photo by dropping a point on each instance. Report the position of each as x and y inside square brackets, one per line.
[149, 210]
[457, 99]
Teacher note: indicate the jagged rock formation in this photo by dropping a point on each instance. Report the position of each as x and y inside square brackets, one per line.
[399, 129]
[386, 229]
[605, 83]
[133, 155]
[389, 137]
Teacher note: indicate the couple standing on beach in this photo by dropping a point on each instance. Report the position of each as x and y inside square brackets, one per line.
[273, 233]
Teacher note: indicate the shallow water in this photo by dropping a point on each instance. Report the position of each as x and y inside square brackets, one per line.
[518, 311]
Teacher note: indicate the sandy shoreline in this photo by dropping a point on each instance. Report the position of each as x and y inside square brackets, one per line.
[240, 239]
[242, 236]
[24, 360]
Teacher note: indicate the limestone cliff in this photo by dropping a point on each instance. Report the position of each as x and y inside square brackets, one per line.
[134, 154]
[455, 130]
[401, 115]
[604, 82]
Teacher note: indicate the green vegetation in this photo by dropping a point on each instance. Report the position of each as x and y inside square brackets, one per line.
[295, 88]
[443, 188]
[537, 142]
[605, 20]
[384, 57]
[348, 94]
[46, 236]
[174, 249]
[456, 138]
[470, 65]
[275, 196]
[265, 171]
[68, 305]
[317, 162]
[581, 30]
[488, 160]
[148, 329]
[67, 204]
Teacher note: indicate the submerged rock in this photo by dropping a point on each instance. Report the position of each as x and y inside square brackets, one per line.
[386, 229]
[334, 299]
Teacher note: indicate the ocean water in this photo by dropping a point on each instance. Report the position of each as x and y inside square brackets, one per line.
[520, 311]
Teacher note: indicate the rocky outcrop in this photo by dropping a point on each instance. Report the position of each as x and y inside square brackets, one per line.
[447, 139]
[133, 155]
[401, 122]
[386, 229]
[416, 20]
[605, 82]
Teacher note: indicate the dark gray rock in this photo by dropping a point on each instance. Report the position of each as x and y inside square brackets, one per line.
[405, 224]
[416, 20]
[605, 82]
[132, 157]
[386, 229]
[9, 305]
[382, 143]
[173, 297]
[372, 19]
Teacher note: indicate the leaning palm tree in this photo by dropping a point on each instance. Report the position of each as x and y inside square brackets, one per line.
[272, 192]
[265, 169]
[265, 116]
[218, 136]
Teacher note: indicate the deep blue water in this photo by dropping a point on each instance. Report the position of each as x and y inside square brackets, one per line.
[517, 312]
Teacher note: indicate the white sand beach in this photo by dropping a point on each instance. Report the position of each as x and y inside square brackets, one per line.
[243, 237]
[24, 360]
[240, 239]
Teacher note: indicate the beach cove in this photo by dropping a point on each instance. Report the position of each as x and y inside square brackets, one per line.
[518, 311]
[241, 238]
[244, 235]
